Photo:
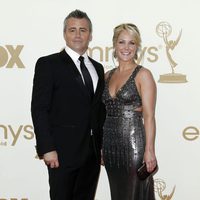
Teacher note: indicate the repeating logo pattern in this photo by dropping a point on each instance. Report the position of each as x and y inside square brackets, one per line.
[164, 30]
[10, 56]
[9, 134]
[160, 186]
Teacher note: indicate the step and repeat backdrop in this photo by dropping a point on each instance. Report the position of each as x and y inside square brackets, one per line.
[170, 49]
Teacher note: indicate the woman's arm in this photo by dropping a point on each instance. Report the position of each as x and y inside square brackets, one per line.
[148, 94]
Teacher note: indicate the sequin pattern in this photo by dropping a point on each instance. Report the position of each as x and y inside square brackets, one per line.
[124, 142]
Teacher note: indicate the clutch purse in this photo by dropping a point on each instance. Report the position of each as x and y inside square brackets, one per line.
[142, 172]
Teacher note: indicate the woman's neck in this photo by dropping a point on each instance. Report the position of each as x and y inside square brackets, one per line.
[126, 66]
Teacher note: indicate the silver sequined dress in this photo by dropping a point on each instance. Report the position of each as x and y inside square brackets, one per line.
[124, 142]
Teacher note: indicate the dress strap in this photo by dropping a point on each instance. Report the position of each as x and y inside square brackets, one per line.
[137, 69]
[110, 74]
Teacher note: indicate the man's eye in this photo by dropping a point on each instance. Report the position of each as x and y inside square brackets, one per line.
[83, 30]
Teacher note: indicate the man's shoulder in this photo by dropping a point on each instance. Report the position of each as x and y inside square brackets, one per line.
[51, 59]
[94, 62]
[50, 56]
[48, 61]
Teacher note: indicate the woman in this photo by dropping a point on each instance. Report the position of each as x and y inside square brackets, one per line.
[129, 129]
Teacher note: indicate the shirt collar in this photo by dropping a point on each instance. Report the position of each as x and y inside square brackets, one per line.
[75, 56]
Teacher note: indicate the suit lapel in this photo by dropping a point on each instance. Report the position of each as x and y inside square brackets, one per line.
[68, 62]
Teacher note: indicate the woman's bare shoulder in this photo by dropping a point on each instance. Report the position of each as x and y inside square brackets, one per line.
[145, 73]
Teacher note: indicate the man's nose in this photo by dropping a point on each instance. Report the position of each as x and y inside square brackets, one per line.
[78, 33]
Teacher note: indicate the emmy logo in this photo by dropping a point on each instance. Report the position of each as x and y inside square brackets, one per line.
[163, 30]
[159, 187]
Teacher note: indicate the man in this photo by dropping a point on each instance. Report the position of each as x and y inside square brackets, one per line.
[67, 113]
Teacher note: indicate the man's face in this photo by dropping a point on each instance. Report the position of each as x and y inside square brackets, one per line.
[77, 34]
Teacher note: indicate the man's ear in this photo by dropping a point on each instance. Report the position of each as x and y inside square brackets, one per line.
[64, 35]
[91, 37]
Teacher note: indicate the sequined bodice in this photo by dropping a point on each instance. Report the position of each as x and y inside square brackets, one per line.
[126, 96]
[122, 122]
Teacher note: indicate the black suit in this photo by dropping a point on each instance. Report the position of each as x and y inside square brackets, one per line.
[63, 114]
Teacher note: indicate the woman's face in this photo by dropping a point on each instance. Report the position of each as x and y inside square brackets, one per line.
[125, 47]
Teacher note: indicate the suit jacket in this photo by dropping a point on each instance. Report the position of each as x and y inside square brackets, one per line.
[62, 112]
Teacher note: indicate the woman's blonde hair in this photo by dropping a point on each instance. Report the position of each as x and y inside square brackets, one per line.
[131, 28]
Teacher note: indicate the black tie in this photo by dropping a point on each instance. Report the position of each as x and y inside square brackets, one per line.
[87, 77]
